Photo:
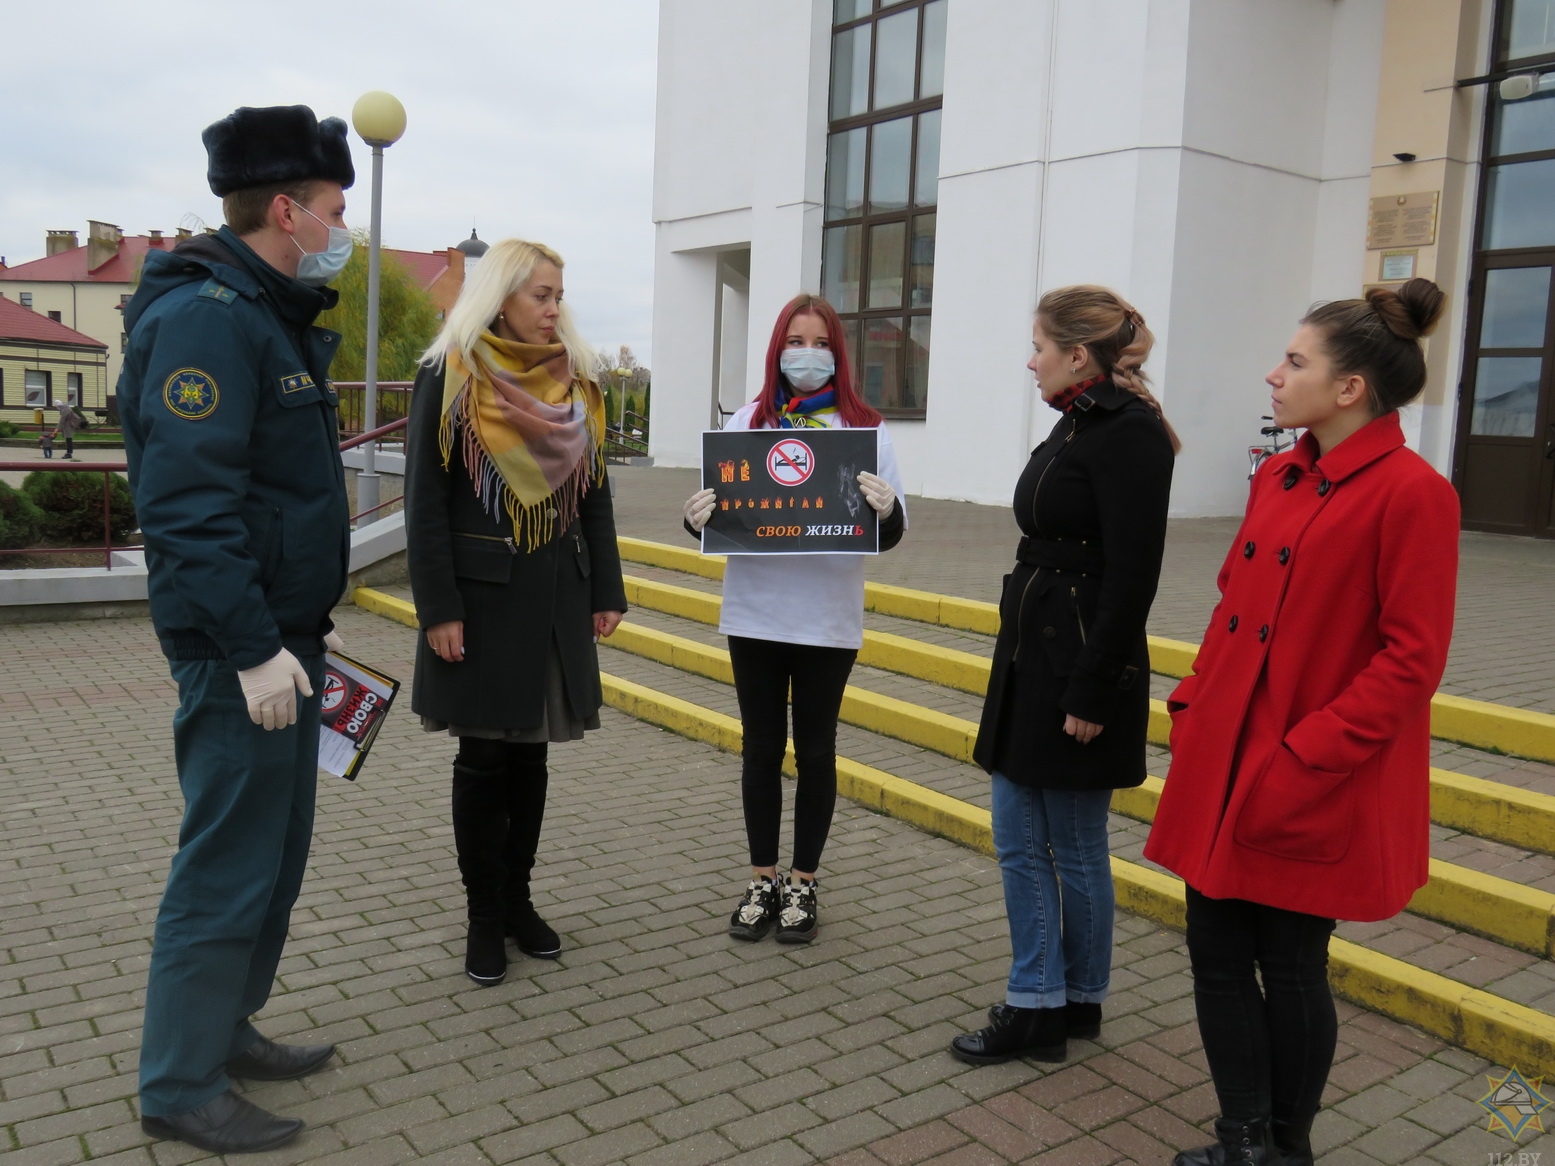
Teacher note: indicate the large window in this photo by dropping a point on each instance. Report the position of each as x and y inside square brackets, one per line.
[1506, 425]
[882, 176]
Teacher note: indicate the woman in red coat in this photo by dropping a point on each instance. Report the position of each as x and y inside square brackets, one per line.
[1301, 741]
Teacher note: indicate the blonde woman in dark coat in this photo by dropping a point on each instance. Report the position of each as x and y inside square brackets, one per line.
[512, 549]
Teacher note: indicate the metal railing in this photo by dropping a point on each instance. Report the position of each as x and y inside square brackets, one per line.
[105, 469]
[393, 403]
[363, 439]
[629, 439]
[108, 468]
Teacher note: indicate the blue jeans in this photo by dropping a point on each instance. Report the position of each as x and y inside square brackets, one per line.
[1052, 847]
[242, 851]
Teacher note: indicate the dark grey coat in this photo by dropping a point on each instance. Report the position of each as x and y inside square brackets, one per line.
[464, 565]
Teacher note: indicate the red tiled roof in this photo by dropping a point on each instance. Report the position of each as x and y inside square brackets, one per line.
[70, 266]
[19, 323]
[424, 266]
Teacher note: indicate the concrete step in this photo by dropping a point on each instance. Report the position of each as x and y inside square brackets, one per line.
[682, 681]
[1518, 732]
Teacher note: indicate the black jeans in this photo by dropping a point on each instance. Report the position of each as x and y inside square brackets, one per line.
[763, 672]
[1269, 1050]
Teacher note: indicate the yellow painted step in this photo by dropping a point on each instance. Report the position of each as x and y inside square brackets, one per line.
[1500, 1030]
[1486, 809]
[1496, 908]
[1518, 732]
[1483, 904]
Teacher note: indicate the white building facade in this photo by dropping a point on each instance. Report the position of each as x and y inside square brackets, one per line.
[932, 166]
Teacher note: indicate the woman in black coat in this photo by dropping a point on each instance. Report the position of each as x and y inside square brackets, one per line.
[511, 544]
[1068, 699]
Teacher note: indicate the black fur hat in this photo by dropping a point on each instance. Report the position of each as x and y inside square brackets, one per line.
[279, 143]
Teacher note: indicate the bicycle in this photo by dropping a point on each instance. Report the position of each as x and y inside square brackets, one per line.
[1258, 454]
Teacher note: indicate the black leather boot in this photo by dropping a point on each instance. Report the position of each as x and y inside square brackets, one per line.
[1037, 1033]
[480, 832]
[1242, 1143]
[1082, 1020]
[527, 779]
[1294, 1142]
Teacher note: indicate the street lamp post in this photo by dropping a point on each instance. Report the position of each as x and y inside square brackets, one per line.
[380, 120]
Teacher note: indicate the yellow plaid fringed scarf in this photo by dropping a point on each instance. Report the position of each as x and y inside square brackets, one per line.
[531, 444]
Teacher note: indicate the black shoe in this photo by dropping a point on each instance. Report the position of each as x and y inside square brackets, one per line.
[485, 952]
[758, 910]
[1012, 1032]
[532, 934]
[264, 1060]
[799, 920]
[1082, 1020]
[1294, 1144]
[226, 1124]
[1242, 1143]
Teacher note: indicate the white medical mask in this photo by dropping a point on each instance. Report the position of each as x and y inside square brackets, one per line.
[316, 268]
[807, 369]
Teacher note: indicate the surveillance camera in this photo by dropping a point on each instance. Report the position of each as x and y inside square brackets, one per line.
[1518, 87]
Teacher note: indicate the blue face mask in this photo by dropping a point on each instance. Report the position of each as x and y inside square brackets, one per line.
[807, 369]
[316, 268]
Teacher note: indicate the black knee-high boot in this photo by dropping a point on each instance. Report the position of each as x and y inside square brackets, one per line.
[527, 779]
[480, 833]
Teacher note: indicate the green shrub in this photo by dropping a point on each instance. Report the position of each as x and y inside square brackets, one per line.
[72, 505]
[21, 522]
[10, 429]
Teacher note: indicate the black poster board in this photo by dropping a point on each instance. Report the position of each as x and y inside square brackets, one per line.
[790, 492]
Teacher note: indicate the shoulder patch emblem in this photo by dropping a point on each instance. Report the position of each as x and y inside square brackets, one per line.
[219, 292]
[190, 394]
[296, 382]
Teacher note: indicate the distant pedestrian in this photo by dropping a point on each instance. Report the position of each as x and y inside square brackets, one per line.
[69, 422]
[1299, 787]
[795, 624]
[46, 443]
[511, 540]
[1068, 703]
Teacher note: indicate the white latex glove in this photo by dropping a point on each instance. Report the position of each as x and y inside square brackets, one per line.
[271, 690]
[877, 492]
[699, 508]
[333, 643]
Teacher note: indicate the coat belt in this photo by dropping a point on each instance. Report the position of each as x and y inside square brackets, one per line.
[1061, 555]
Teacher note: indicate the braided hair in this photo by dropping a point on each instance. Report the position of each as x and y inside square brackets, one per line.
[1114, 332]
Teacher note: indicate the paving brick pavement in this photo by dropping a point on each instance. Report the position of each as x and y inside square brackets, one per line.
[655, 1039]
[1503, 649]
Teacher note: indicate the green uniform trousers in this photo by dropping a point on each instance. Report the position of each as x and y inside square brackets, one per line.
[242, 850]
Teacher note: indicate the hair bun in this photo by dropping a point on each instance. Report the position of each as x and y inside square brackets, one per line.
[1411, 311]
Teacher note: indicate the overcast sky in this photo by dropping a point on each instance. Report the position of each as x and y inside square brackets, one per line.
[525, 118]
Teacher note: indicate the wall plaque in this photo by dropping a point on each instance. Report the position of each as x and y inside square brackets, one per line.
[1402, 220]
[1398, 265]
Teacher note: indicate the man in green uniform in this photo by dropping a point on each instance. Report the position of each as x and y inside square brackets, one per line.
[229, 424]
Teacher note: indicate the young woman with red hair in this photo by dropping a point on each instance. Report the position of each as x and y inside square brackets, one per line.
[797, 621]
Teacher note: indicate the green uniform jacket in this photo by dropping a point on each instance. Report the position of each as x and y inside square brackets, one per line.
[515, 605]
[229, 424]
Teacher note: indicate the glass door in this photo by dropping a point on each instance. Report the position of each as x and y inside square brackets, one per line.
[1504, 466]
[1505, 424]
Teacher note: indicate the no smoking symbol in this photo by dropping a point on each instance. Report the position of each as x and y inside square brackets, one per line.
[790, 462]
[334, 691]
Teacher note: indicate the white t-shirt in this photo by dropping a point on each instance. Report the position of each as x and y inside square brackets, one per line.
[802, 599]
